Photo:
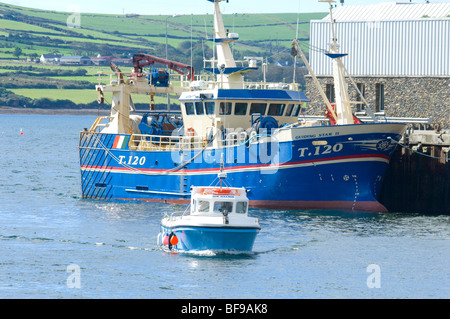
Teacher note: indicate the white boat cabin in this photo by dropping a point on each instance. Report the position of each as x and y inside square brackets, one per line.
[219, 200]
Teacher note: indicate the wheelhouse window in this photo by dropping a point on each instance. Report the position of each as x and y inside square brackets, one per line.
[276, 109]
[209, 106]
[221, 207]
[258, 108]
[189, 108]
[199, 108]
[203, 206]
[241, 207]
[240, 109]
[296, 110]
[289, 109]
[225, 108]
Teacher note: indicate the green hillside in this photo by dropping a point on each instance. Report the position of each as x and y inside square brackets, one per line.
[26, 34]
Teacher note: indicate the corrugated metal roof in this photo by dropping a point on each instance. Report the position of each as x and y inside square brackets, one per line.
[402, 47]
[391, 11]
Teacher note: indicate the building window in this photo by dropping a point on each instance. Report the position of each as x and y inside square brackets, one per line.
[362, 88]
[379, 91]
[330, 93]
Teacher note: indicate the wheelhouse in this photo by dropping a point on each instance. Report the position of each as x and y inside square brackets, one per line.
[238, 109]
[219, 200]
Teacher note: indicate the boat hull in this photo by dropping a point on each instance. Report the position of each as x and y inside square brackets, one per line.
[331, 167]
[191, 238]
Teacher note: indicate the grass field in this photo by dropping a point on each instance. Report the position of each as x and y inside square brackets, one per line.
[83, 96]
[129, 31]
[76, 96]
[36, 32]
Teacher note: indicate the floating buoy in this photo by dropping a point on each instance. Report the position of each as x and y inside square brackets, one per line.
[174, 240]
[21, 132]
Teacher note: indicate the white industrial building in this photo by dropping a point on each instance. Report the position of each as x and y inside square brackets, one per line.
[398, 53]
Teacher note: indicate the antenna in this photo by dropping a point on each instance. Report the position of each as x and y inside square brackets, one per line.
[296, 37]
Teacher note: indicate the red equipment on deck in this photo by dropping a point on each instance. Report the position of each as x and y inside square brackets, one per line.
[333, 122]
[140, 60]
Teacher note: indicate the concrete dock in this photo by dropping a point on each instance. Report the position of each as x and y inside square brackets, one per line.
[418, 178]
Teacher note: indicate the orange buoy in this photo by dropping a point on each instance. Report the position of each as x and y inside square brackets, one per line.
[174, 240]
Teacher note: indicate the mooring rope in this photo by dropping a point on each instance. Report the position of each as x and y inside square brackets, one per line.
[417, 152]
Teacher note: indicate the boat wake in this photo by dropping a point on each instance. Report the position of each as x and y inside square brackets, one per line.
[209, 252]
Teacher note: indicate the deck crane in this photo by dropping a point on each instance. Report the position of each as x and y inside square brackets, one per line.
[140, 60]
[139, 82]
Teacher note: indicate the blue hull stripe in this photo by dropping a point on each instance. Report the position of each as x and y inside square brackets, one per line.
[343, 159]
[202, 238]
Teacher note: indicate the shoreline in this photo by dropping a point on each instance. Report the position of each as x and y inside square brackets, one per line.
[61, 111]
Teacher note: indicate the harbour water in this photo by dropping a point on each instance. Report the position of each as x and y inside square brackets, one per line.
[54, 244]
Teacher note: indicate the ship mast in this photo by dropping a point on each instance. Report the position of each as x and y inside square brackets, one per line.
[224, 55]
[342, 99]
[229, 75]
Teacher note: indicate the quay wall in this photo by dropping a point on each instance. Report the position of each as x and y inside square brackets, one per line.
[404, 96]
[418, 177]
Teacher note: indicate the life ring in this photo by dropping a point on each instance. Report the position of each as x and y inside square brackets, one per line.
[190, 132]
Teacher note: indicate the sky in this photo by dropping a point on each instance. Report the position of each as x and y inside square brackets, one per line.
[169, 7]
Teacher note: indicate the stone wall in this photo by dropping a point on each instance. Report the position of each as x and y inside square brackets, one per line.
[417, 97]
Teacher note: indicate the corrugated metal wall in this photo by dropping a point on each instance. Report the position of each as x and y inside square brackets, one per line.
[393, 48]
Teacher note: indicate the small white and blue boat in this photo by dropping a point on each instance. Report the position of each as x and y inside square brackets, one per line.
[217, 219]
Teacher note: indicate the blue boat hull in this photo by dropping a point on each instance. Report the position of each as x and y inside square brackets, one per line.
[212, 238]
[316, 171]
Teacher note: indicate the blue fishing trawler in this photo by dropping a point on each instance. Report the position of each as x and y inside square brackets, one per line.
[282, 159]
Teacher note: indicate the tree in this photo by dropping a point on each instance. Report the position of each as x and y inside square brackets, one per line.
[17, 52]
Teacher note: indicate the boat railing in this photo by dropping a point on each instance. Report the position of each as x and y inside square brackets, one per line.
[178, 214]
[110, 77]
[202, 81]
[235, 138]
[159, 143]
[114, 78]
[214, 62]
[98, 123]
